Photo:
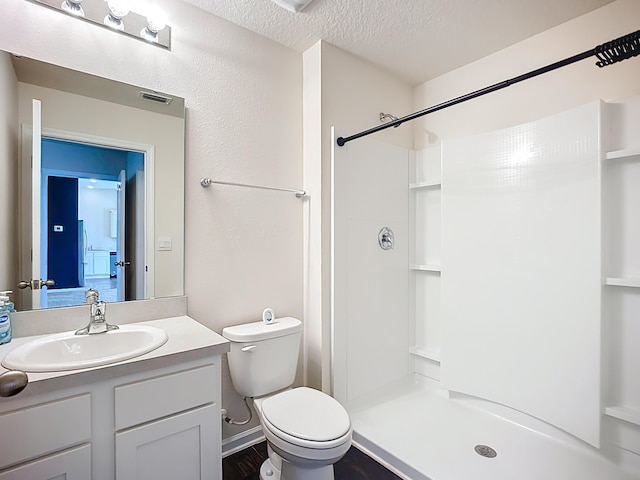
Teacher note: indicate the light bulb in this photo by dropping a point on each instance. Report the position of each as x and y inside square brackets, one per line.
[117, 11]
[73, 7]
[154, 25]
[118, 8]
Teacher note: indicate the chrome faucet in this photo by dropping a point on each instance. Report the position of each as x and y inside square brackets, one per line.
[98, 321]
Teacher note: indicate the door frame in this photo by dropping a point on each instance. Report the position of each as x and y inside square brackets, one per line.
[149, 167]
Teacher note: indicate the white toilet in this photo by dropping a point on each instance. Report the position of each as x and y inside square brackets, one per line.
[307, 431]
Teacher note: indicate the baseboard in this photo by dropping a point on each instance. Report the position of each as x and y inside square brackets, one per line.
[241, 440]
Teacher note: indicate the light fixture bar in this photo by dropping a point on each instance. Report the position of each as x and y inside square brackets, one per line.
[132, 24]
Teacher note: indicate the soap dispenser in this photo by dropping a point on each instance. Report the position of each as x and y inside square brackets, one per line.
[6, 307]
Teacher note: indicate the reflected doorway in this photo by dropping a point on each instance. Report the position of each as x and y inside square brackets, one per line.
[92, 197]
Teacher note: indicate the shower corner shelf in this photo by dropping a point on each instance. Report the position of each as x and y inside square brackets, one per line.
[623, 282]
[628, 414]
[626, 153]
[428, 267]
[428, 353]
[428, 184]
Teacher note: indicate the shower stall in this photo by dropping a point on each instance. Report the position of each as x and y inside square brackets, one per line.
[485, 299]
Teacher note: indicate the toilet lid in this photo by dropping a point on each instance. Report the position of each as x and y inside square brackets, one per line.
[307, 414]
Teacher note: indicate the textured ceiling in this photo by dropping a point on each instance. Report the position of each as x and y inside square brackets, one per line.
[415, 39]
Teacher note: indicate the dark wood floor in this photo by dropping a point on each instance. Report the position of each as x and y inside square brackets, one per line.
[355, 465]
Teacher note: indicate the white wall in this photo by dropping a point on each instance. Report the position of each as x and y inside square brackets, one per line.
[8, 172]
[94, 206]
[244, 115]
[344, 91]
[535, 98]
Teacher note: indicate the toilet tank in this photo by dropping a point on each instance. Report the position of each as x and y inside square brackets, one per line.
[263, 357]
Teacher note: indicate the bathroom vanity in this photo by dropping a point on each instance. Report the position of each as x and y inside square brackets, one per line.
[156, 416]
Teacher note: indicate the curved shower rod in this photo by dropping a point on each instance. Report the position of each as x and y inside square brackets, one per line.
[608, 53]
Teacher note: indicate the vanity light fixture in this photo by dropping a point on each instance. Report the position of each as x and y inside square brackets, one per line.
[116, 16]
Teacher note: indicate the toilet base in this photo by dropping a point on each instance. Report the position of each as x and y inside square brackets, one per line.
[276, 468]
[296, 472]
[268, 471]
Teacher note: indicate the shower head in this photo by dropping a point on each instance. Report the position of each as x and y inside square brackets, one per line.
[388, 116]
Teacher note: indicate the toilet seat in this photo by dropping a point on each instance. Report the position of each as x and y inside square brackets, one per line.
[307, 418]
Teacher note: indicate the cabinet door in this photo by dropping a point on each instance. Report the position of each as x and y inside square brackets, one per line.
[70, 465]
[101, 264]
[185, 446]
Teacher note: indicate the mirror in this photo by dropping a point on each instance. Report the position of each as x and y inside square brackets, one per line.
[111, 195]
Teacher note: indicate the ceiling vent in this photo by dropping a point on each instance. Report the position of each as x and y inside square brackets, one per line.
[155, 97]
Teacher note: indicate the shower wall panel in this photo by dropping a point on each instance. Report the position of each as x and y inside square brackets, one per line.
[521, 288]
[370, 286]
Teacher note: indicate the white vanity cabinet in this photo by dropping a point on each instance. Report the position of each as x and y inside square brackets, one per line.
[175, 421]
[163, 424]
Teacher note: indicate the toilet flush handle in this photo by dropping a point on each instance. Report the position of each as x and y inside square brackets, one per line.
[248, 348]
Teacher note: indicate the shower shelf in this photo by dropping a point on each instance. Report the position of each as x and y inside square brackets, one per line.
[429, 184]
[623, 282]
[626, 153]
[427, 353]
[628, 414]
[429, 267]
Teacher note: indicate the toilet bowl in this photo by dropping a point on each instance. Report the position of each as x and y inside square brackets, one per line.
[307, 429]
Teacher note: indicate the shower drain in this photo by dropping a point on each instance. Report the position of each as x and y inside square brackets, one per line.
[485, 451]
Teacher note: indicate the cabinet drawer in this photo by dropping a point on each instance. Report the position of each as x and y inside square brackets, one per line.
[158, 397]
[31, 432]
[70, 465]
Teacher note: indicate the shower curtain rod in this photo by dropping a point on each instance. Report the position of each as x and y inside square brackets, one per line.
[608, 53]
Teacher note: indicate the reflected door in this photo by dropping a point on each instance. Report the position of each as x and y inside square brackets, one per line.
[30, 198]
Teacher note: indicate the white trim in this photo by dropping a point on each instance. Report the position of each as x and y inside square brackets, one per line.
[242, 440]
[36, 199]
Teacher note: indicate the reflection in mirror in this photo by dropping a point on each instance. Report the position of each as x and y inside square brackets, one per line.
[110, 185]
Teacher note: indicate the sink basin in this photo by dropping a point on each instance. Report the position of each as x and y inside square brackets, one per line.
[67, 351]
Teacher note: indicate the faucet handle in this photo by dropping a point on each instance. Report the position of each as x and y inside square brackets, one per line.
[91, 296]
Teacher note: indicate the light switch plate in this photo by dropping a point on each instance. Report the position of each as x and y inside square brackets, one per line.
[164, 244]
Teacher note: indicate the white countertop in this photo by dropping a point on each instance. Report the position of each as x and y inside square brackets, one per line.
[188, 340]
